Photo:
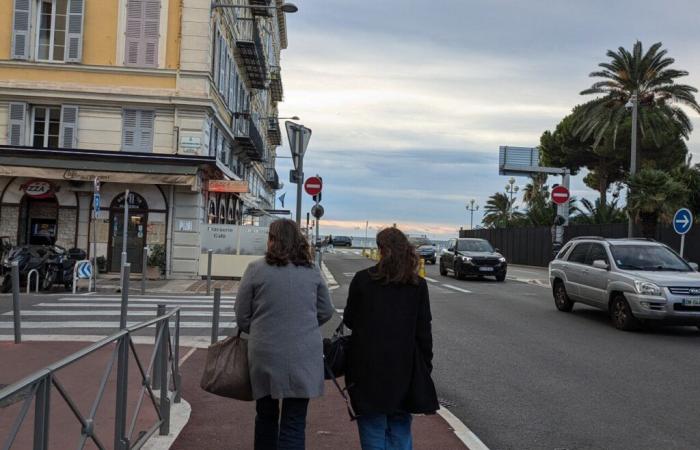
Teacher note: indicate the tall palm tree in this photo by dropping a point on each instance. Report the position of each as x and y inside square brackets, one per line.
[654, 196]
[536, 189]
[499, 211]
[648, 75]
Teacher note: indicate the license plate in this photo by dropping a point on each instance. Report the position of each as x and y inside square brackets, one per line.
[486, 269]
[691, 301]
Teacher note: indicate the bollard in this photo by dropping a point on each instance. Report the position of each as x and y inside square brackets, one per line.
[126, 272]
[215, 318]
[156, 378]
[144, 265]
[164, 382]
[209, 257]
[421, 268]
[177, 379]
[15, 303]
[121, 440]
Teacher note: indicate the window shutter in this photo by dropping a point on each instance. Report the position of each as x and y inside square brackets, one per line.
[215, 65]
[18, 120]
[231, 88]
[69, 127]
[74, 50]
[151, 32]
[134, 25]
[206, 133]
[146, 125]
[222, 64]
[129, 130]
[20, 29]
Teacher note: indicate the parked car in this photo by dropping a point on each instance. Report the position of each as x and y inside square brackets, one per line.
[633, 280]
[425, 249]
[341, 241]
[472, 257]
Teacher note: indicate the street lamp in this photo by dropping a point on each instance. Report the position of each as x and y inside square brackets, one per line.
[632, 104]
[471, 208]
[511, 189]
[289, 8]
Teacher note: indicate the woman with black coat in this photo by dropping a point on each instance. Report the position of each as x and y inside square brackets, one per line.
[390, 356]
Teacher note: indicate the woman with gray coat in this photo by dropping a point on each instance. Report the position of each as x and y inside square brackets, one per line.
[282, 301]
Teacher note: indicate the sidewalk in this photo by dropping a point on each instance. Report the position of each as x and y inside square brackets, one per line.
[110, 284]
[221, 423]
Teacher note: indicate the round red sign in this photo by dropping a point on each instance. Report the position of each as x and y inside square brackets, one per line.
[560, 195]
[38, 189]
[313, 186]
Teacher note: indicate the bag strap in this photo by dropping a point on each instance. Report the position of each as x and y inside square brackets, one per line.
[342, 391]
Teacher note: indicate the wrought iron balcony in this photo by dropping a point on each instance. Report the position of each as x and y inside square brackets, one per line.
[272, 178]
[274, 135]
[261, 12]
[249, 142]
[249, 53]
[276, 88]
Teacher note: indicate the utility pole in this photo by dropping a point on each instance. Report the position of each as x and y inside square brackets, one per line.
[634, 105]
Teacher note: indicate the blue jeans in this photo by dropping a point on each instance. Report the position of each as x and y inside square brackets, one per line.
[385, 432]
[285, 433]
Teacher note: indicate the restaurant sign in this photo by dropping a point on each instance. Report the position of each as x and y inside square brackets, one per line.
[38, 189]
[228, 186]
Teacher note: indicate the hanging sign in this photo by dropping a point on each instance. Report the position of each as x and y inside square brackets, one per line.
[38, 189]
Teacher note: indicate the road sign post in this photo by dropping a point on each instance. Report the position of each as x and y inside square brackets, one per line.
[682, 223]
[95, 216]
[299, 137]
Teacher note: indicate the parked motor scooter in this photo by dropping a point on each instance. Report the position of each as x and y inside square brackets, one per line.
[53, 263]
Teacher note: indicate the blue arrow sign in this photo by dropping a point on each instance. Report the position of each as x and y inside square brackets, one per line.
[84, 269]
[683, 221]
[96, 204]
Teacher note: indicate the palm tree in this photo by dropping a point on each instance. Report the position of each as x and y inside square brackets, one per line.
[654, 196]
[689, 175]
[536, 189]
[599, 213]
[499, 211]
[647, 75]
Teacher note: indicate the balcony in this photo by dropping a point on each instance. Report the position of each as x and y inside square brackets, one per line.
[274, 135]
[276, 88]
[272, 179]
[260, 12]
[249, 143]
[249, 53]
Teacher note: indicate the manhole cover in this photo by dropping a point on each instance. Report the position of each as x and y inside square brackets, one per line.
[17, 397]
[446, 403]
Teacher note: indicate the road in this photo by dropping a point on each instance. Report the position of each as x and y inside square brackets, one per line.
[522, 375]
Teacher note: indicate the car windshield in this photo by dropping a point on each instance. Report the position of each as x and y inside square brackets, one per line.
[474, 246]
[648, 257]
[420, 241]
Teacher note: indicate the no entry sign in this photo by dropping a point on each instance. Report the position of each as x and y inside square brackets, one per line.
[560, 195]
[313, 186]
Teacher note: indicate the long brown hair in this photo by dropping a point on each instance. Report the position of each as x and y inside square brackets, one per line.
[399, 261]
[287, 245]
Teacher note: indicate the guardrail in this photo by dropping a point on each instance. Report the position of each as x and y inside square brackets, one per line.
[163, 364]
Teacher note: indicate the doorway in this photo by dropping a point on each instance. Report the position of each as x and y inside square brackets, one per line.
[135, 232]
[38, 221]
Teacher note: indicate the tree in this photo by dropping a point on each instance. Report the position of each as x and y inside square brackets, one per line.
[650, 77]
[500, 211]
[689, 176]
[597, 213]
[654, 196]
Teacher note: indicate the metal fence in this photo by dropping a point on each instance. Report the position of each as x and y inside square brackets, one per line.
[532, 246]
[161, 373]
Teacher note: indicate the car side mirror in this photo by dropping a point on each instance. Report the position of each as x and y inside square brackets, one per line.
[497, 250]
[693, 266]
[600, 264]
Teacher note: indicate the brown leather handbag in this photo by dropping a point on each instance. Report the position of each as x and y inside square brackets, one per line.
[226, 372]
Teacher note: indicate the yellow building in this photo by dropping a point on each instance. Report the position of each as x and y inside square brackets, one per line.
[159, 97]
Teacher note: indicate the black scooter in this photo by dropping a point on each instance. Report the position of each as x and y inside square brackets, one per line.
[54, 265]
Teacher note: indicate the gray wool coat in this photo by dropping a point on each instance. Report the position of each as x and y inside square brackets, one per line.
[281, 309]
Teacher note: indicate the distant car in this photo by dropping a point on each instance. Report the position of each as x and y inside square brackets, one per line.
[341, 241]
[633, 280]
[472, 257]
[425, 249]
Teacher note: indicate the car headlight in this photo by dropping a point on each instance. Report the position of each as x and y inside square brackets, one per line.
[502, 259]
[646, 288]
[466, 258]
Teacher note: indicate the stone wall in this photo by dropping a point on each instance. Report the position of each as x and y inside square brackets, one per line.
[9, 217]
[66, 227]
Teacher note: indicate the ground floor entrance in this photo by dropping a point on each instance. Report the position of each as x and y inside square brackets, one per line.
[136, 232]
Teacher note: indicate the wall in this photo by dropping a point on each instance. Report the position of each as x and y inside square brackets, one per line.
[188, 216]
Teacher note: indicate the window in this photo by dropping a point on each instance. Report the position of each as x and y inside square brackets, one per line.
[578, 254]
[46, 126]
[142, 33]
[51, 30]
[137, 130]
[648, 257]
[563, 251]
[56, 32]
[597, 252]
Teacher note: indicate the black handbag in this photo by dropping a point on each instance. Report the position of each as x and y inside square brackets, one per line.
[335, 353]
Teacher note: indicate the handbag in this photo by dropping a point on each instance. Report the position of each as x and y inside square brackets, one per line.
[226, 372]
[335, 353]
[422, 397]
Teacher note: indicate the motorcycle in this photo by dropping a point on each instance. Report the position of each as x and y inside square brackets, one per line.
[53, 263]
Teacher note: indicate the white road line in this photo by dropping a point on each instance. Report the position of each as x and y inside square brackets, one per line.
[113, 304]
[431, 280]
[148, 297]
[338, 310]
[349, 274]
[115, 312]
[115, 325]
[152, 302]
[463, 432]
[455, 288]
[185, 340]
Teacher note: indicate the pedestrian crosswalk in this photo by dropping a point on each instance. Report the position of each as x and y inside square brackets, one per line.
[355, 252]
[98, 315]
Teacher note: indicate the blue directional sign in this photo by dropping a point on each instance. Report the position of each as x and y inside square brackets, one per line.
[683, 221]
[96, 204]
[84, 269]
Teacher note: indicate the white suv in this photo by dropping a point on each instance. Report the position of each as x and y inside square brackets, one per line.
[635, 280]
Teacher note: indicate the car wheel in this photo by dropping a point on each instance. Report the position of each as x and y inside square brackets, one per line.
[501, 277]
[621, 314]
[561, 298]
[443, 270]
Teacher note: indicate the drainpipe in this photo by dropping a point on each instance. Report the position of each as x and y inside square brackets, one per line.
[169, 234]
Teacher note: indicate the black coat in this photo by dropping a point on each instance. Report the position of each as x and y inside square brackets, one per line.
[391, 347]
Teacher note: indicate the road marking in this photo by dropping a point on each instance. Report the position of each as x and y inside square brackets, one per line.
[463, 432]
[113, 304]
[153, 302]
[455, 288]
[149, 297]
[111, 324]
[431, 280]
[349, 274]
[115, 312]
[338, 310]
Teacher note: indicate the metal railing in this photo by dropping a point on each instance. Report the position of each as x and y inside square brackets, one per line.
[163, 364]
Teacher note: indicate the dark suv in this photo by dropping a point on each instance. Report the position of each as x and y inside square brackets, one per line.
[341, 241]
[475, 257]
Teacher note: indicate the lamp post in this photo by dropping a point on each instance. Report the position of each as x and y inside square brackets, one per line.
[471, 208]
[632, 104]
[511, 189]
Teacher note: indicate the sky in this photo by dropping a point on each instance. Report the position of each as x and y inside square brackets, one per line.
[409, 100]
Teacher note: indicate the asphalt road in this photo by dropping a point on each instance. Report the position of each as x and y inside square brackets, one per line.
[522, 375]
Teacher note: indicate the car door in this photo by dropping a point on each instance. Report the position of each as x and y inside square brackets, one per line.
[448, 254]
[574, 269]
[595, 281]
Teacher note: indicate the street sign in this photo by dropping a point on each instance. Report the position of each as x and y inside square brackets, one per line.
[84, 270]
[313, 186]
[96, 184]
[560, 195]
[96, 205]
[317, 211]
[294, 177]
[299, 137]
[683, 221]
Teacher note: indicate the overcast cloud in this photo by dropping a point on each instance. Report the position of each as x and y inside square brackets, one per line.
[409, 100]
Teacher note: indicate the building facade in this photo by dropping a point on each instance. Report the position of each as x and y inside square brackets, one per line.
[172, 100]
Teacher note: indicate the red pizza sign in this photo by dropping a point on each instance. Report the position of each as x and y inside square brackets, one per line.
[38, 189]
[560, 195]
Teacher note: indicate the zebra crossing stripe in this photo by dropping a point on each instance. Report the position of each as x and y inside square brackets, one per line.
[111, 324]
[116, 312]
[153, 302]
[151, 298]
[131, 305]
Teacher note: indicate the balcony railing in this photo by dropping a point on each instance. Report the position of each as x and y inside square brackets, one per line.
[249, 52]
[260, 12]
[274, 135]
[272, 179]
[276, 88]
[249, 142]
